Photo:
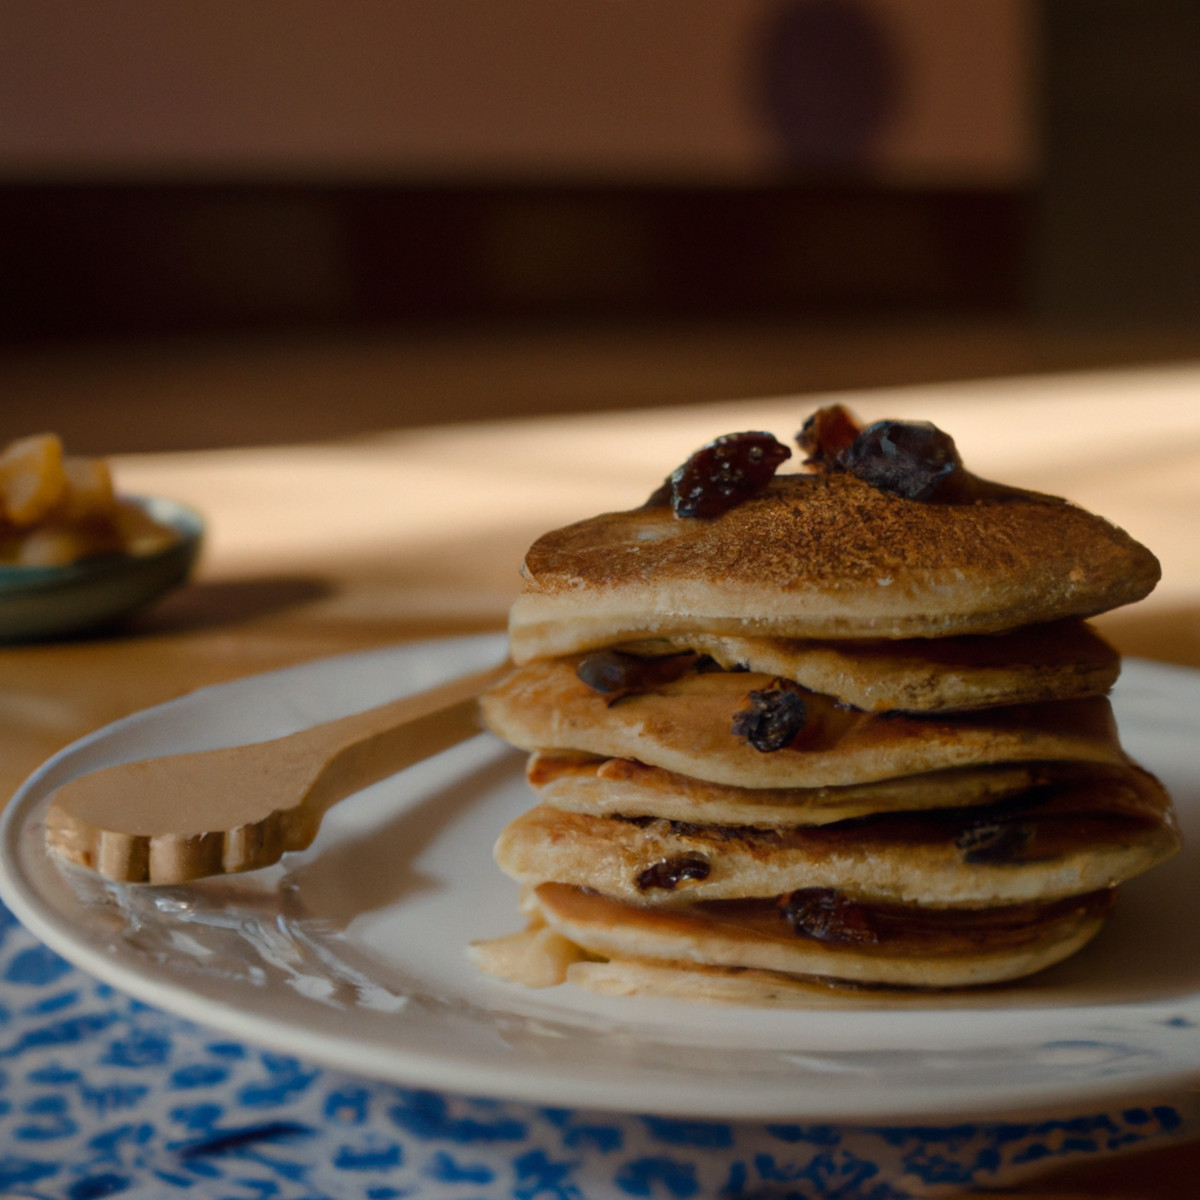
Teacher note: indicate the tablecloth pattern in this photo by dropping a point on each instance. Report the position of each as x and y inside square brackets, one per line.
[103, 1095]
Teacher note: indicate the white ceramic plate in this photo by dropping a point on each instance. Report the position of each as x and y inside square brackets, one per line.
[352, 953]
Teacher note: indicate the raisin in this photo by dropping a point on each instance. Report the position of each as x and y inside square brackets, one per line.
[827, 916]
[912, 459]
[994, 842]
[773, 719]
[826, 435]
[616, 673]
[608, 671]
[724, 473]
[672, 871]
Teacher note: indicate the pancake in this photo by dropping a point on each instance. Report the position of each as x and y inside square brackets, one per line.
[685, 726]
[1045, 844]
[623, 787]
[1060, 661]
[895, 947]
[824, 556]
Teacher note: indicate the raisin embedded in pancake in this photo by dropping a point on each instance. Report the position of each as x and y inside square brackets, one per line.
[845, 727]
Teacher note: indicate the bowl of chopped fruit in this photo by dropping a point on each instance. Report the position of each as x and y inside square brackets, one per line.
[75, 555]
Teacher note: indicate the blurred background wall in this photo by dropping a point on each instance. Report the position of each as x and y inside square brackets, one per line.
[214, 162]
[314, 166]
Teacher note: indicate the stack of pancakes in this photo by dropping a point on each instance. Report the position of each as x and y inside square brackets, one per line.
[848, 727]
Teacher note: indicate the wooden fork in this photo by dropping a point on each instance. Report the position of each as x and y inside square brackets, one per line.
[212, 812]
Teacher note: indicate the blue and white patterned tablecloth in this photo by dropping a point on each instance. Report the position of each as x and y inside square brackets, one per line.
[102, 1095]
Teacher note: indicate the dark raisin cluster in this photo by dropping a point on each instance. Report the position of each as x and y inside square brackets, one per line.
[724, 473]
[911, 459]
[773, 718]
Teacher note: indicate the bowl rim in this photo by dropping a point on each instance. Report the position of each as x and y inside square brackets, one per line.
[184, 520]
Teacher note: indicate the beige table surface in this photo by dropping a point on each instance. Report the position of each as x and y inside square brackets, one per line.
[314, 550]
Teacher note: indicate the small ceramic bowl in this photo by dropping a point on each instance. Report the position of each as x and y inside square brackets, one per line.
[47, 602]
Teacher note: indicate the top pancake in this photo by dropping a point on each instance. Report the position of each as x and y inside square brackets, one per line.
[824, 556]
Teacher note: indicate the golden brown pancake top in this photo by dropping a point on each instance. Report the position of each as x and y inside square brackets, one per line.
[826, 555]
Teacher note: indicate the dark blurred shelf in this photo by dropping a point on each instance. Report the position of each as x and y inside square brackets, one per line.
[137, 259]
